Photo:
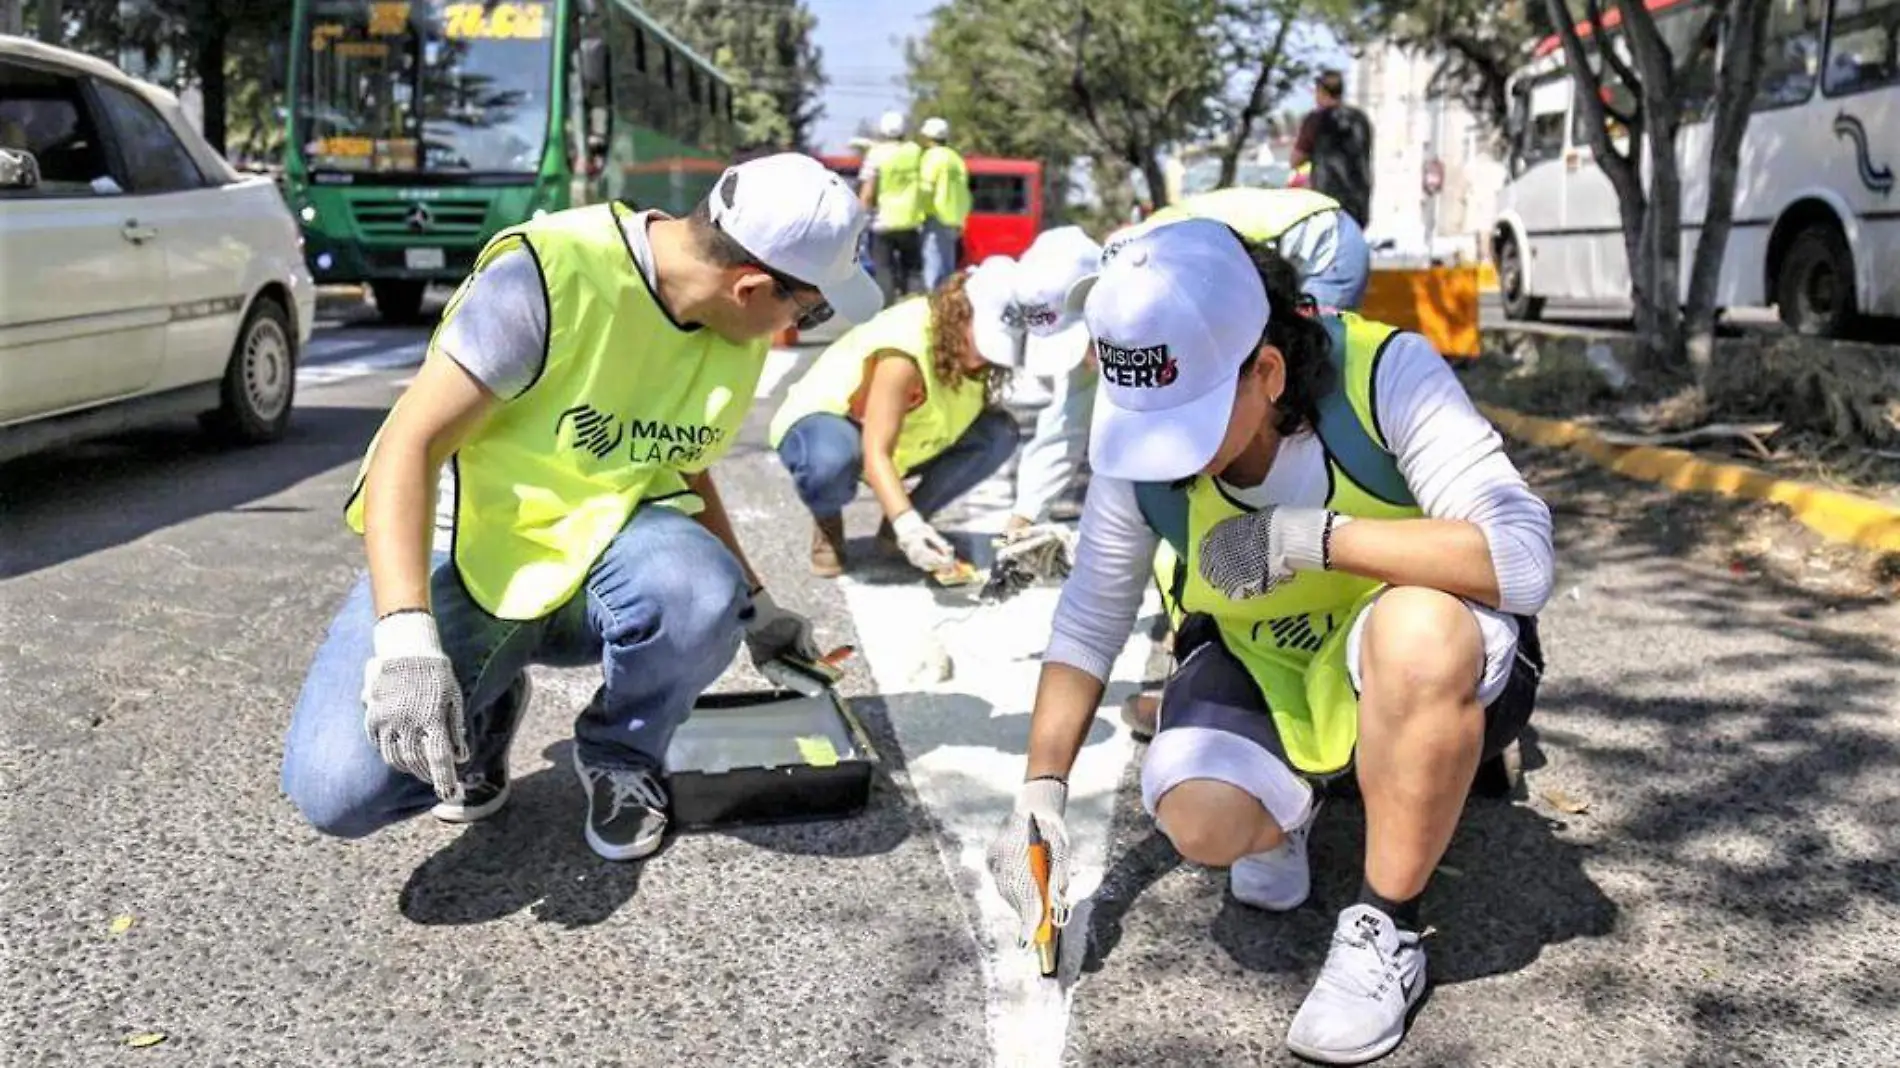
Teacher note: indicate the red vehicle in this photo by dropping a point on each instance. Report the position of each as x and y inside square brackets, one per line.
[1006, 204]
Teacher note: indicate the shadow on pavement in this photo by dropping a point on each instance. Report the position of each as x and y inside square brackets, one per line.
[531, 854]
[69, 503]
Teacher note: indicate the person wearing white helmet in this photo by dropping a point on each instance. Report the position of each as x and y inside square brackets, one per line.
[914, 393]
[584, 379]
[890, 185]
[1362, 568]
[946, 195]
[1056, 352]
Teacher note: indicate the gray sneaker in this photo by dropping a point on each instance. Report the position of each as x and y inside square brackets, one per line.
[483, 789]
[626, 810]
[1372, 978]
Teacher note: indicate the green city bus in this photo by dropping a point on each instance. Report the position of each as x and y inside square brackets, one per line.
[419, 128]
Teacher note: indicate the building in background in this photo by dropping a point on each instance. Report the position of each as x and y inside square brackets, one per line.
[1411, 128]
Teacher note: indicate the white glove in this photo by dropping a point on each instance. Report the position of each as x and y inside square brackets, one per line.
[412, 705]
[1042, 800]
[772, 632]
[926, 549]
[1249, 555]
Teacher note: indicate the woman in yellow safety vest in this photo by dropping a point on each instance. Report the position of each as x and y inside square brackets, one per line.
[913, 392]
[1361, 568]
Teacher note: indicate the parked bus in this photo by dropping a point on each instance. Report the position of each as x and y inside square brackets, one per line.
[1005, 204]
[419, 129]
[1817, 221]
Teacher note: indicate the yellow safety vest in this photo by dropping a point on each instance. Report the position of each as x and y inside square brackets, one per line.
[627, 404]
[947, 182]
[900, 199]
[1257, 214]
[1276, 634]
[836, 382]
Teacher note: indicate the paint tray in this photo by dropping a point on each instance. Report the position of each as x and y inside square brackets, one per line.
[769, 757]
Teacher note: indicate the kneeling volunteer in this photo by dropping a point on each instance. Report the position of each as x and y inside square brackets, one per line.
[1362, 568]
[1308, 229]
[915, 391]
[582, 381]
[1057, 352]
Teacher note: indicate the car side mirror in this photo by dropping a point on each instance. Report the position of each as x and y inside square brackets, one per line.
[18, 169]
[593, 57]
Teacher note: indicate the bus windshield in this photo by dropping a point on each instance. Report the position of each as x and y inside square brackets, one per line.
[431, 86]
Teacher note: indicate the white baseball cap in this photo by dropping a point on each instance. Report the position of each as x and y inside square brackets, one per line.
[1176, 310]
[891, 124]
[1056, 264]
[935, 128]
[991, 288]
[801, 220]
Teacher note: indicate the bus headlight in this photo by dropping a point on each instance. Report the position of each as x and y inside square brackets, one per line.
[308, 214]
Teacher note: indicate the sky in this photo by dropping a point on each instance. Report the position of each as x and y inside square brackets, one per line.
[863, 45]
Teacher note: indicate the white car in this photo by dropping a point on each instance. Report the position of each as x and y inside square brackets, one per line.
[141, 277]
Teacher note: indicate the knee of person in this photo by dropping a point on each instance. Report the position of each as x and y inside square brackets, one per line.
[1423, 643]
[326, 799]
[1002, 431]
[1197, 831]
[690, 587]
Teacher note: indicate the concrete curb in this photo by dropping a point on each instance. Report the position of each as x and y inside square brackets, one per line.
[1837, 516]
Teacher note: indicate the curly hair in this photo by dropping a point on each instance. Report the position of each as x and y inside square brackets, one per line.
[951, 342]
[1303, 342]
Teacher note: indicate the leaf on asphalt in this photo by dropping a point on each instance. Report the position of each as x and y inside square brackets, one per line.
[1451, 871]
[1563, 802]
[144, 1039]
[121, 924]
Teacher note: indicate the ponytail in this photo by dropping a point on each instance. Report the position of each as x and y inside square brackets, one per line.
[1302, 340]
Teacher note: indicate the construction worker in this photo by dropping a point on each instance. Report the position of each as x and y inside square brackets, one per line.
[1364, 565]
[1056, 354]
[913, 392]
[583, 380]
[1309, 229]
[946, 194]
[890, 185]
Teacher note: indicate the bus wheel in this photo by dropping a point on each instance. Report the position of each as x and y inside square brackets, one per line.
[1518, 304]
[399, 301]
[1815, 285]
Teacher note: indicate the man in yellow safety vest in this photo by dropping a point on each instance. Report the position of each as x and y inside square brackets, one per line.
[890, 184]
[583, 380]
[946, 191]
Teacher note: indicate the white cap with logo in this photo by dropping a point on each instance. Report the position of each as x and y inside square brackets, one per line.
[891, 124]
[1176, 310]
[991, 289]
[935, 128]
[1055, 265]
[801, 220]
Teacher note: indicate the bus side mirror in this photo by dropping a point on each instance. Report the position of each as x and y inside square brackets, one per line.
[593, 60]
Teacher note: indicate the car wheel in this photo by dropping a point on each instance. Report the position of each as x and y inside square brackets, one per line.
[1518, 303]
[1814, 287]
[260, 382]
[399, 302]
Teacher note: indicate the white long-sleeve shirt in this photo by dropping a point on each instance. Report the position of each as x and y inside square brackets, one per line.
[1450, 455]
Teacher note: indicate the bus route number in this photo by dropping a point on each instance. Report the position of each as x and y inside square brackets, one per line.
[526, 22]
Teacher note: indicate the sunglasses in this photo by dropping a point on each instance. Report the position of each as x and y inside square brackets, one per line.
[809, 316]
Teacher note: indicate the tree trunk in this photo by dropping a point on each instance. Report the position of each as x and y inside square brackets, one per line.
[50, 25]
[1661, 337]
[1149, 163]
[1255, 106]
[1743, 24]
[211, 84]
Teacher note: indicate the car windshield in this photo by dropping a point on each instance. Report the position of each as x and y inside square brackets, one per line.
[395, 87]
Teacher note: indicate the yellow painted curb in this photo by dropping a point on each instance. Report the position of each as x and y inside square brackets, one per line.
[1837, 516]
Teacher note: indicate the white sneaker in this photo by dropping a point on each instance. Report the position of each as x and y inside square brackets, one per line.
[1372, 978]
[1279, 879]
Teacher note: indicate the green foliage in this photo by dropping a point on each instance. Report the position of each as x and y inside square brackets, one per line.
[765, 47]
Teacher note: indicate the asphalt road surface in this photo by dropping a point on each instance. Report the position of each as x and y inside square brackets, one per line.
[1702, 869]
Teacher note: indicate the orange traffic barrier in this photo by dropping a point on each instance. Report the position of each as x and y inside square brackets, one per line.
[1438, 302]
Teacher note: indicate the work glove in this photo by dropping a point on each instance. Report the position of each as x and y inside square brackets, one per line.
[926, 549]
[1249, 555]
[1042, 553]
[1041, 800]
[772, 632]
[412, 705]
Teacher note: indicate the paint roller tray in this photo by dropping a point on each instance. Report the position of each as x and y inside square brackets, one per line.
[769, 757]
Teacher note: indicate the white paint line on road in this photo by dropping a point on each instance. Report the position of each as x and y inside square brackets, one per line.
[964, 741]
[393, 358]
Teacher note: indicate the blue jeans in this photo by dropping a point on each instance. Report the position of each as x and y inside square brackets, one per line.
[825, 454]
[1343, 283]
[940, 252]
[659, 612]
